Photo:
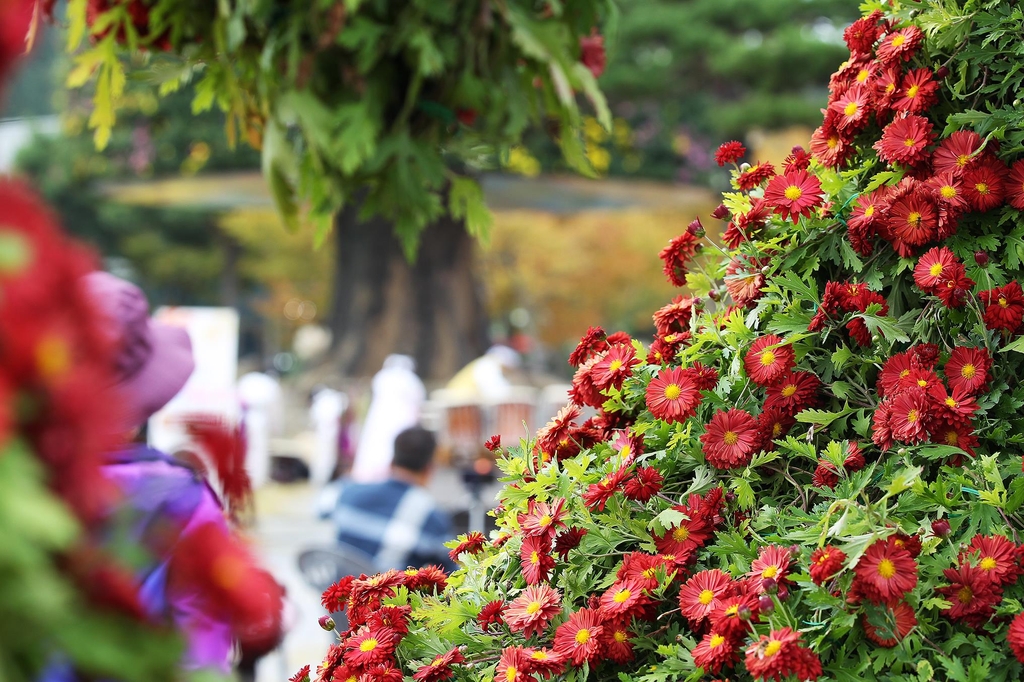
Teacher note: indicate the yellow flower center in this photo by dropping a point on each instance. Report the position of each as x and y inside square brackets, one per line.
[935, 270]
[368, 644]
[544, 520]
[672, 392]
[869, 211]
[767, 358]
[909, 142]
[510, 673]
[621, 596]
[716, 641]
[988, 563]
[614, 365]
[863, 75]
[1003, 303]
[951, 403]
[947, 191]
[899, 40]
[965, 595]
[706, 597]
[912, 92]
[952, 438]
[823, 558]
[53, 357]
[620, 636]
[912, 416]
[733, 610]
[731, 438]
[681, 534]
[890, 88]
[850, 109]
[533, 607]
[886, 568]
[832, 142]
[772, 648]
[770, 572]
[982, 188]
[914, 219]
[963, 160]
[789, 390]
[534, 558]
[649, 573]
[582, 636]
[776, 429]
[968, 371]
[539, 656]
[793, 192]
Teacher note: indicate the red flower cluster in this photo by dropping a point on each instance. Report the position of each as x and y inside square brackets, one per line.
[781, 654]
[724, 608]
[986, 566]
[940, 273]
[885, 573]
[703, 514]
[729, 152]
[848, 297]
[917, 406]
[826, 562]
[680, 251]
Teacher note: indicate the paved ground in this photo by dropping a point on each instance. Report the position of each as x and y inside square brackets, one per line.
[286, 525]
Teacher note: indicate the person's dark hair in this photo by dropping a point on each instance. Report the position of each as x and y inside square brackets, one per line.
[414, 449]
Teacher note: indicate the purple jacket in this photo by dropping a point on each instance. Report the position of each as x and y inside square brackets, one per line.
[158, 489]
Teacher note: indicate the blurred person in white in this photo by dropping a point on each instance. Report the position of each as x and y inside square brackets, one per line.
[486, 377]
[397, 397]
[260, 398]
[325, 416]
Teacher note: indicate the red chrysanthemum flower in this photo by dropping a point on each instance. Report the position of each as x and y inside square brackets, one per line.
[881, 430]
[1015, 637]
[793, 195]
[382, 672]
[678, 253]
[933, 268]
[780, 655]
[675, 317]
[471, 543]
[867, 218]
[644, 484]
[913, 220]
[616, 642]
[995, 557]
[579, 638]
[533, 609]
[302, 675]
[641, 567]
[714, 652]
[888, 626]
[957, 153]
[967, 369]
[568, 540]
[827, 144]
[772, 562]
[852, 108]
[951, 410]
[1004, 307]
[772, 424]
[1015, 185]
[584, 390]
[918, 92]
[493, 443]
[592, 54]
[972, 595]
[793, 393]
[542, 519]
[949, 193]
[744, 279]
[513, 665]
[543, 662]
[885, 572]
[369, 646]
[729, 152]
[440, 668]
[860, 36]
[672, 395]
[755, 176]
[768, 360]
[706, 378]
[900, 45]
[379, 586]
[615, 366]
[826, 562]
[910, 413]
[592, 343]
[335, 596]
[340, 673]
[799, 159]
[983, 186]
[394, 618]
[490, 615]
[734, 614]
[702, 594]
[956, 286]
[957, 436]
[598, 494]
[429, 578]
[905, 140]
[624, 598]
[730, 438]
[682, 541]
[535, 559]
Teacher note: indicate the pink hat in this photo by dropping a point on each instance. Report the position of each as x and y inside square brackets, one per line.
[153, 361]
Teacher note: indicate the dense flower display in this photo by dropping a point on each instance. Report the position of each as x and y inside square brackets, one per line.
[813, 470]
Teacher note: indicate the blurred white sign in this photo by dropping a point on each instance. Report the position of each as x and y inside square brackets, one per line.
[211, 388]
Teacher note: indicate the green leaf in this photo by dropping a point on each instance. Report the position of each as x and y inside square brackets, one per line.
[466, 202]
[823, 417]
[1016, 346]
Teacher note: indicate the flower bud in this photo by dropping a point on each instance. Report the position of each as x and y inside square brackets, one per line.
[326, 622]
[714, 295]
[940, 527]
[783, 593]
[794, 551]
[744, 613]
[730, 497]
[769, 584]
[695, 228]
[765, 604]
[942, 72]
[981, 258]
[720, 213]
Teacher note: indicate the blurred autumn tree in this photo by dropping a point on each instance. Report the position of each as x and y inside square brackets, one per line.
[684, 76]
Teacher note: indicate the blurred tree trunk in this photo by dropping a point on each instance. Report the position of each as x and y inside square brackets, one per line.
[431, 309]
